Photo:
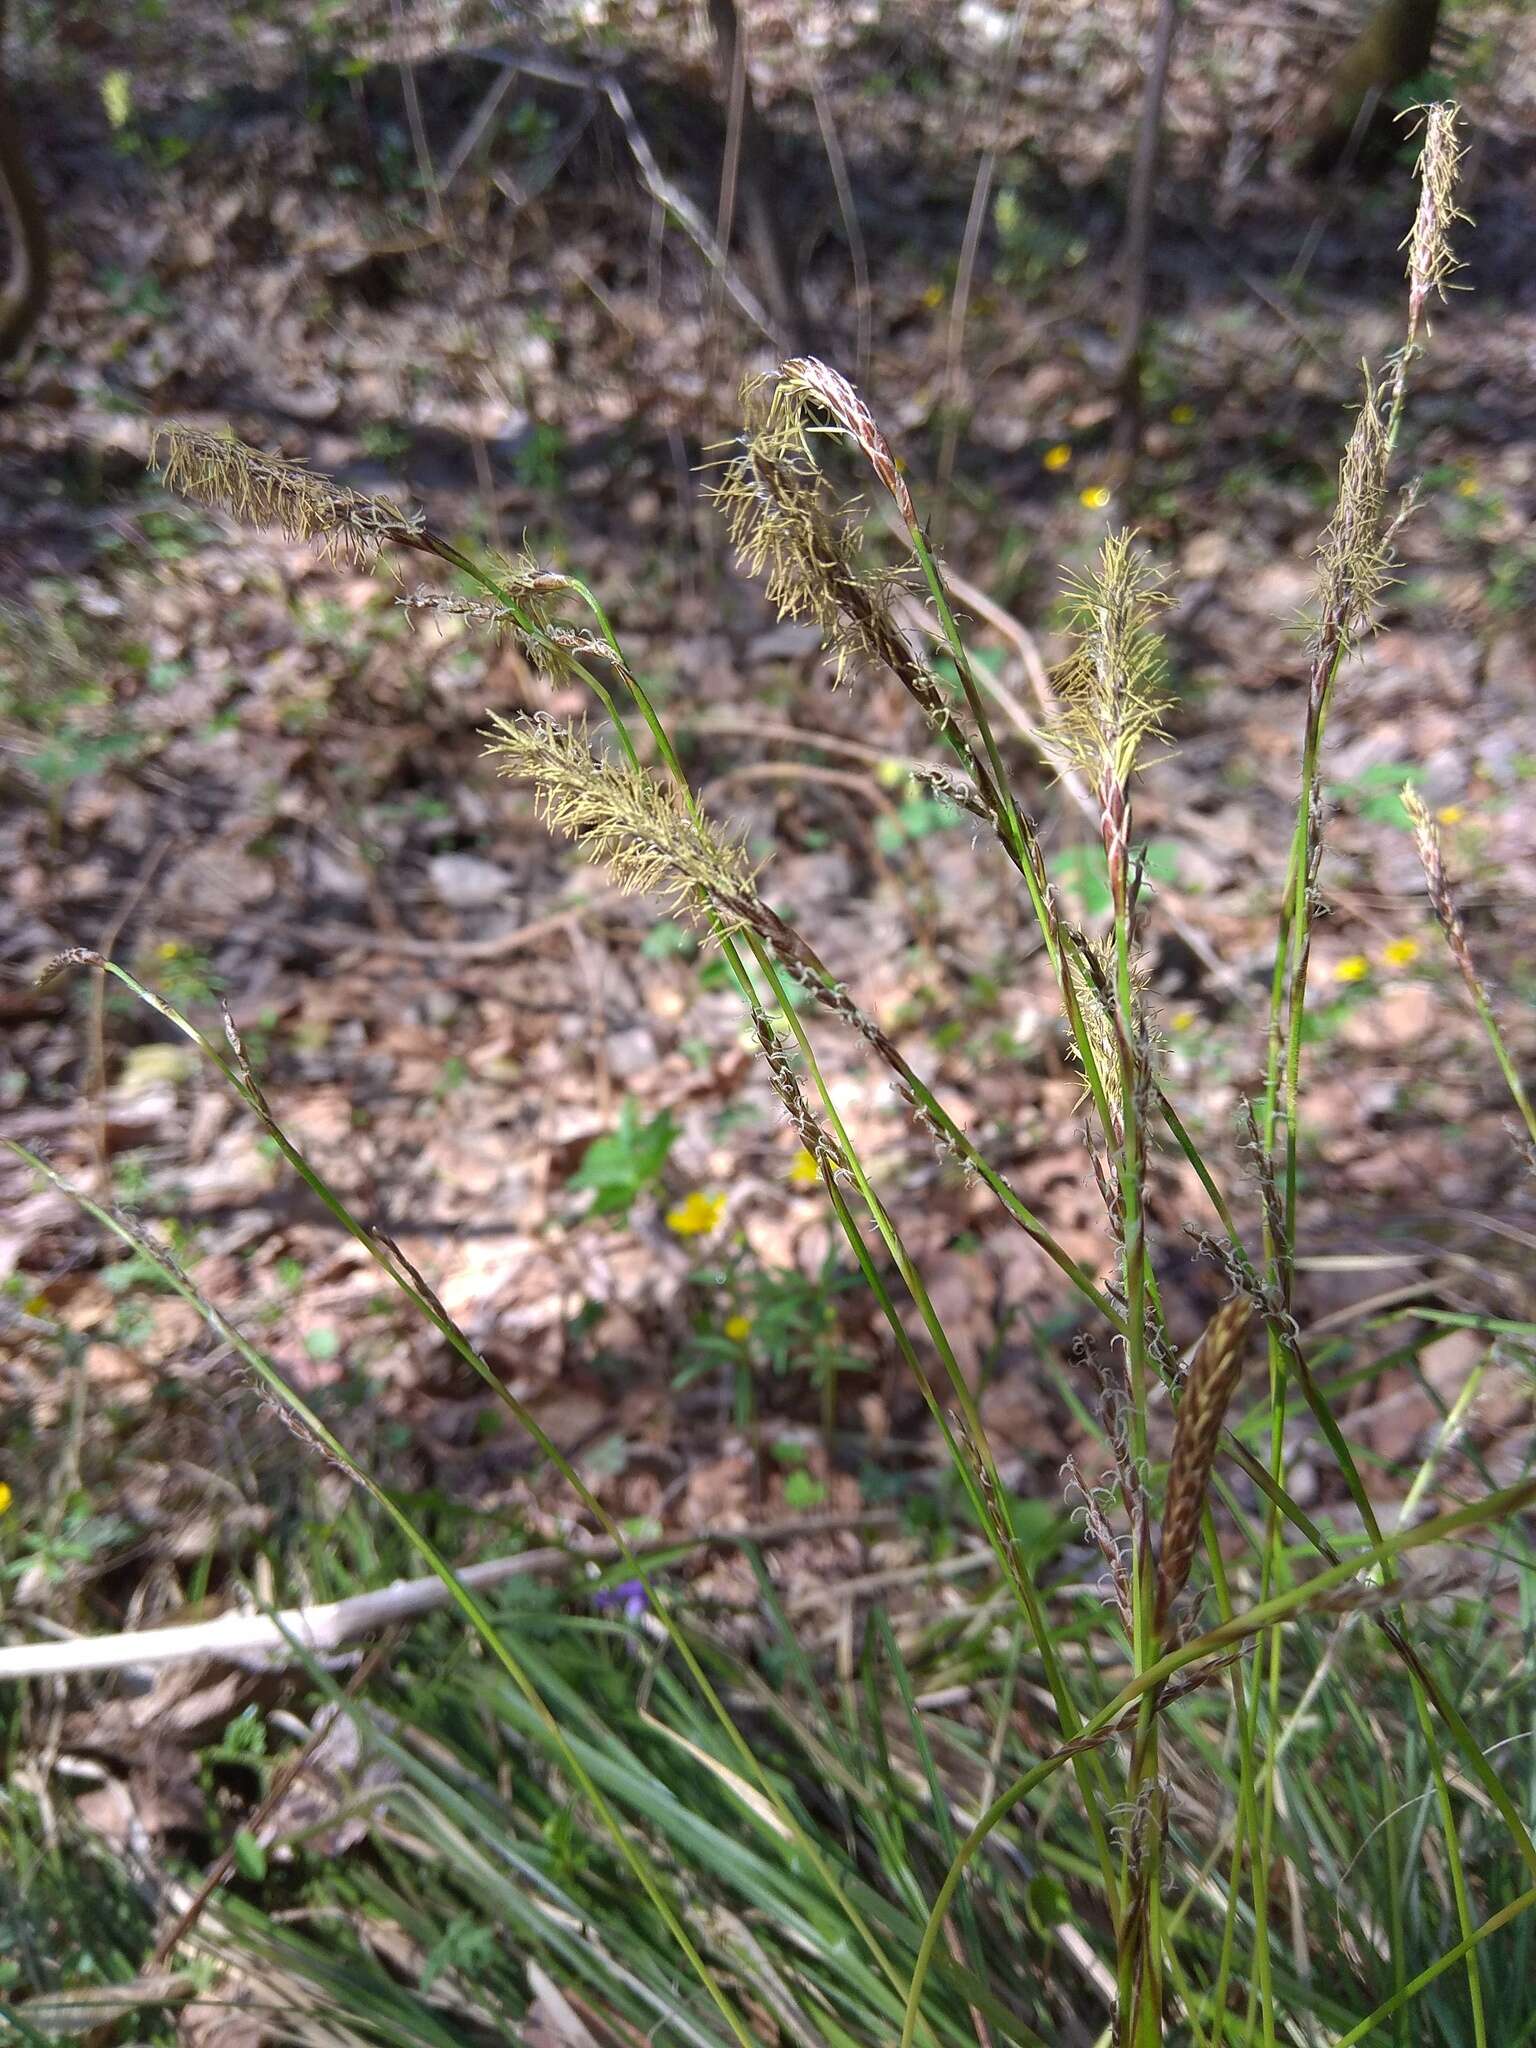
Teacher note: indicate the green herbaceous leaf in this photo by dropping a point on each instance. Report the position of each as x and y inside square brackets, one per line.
[1376, 792]
[627, 1162]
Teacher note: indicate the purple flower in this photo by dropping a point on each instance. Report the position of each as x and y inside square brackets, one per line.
[627, 1598]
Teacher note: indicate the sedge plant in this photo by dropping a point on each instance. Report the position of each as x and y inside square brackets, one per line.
[1212, 1570]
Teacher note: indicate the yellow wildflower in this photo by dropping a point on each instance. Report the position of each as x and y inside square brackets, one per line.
[6, 1497]
[803, 1170]
[1058, 457]
[1096, 497]
[738, 1328]
[891, 774]
[1400, 953]
[1468, 487]
[1183, 416]
[696, 1215]
[1182, 1020]
[1355, 968]
[934, 296]
[1450, 814]
[170, 949]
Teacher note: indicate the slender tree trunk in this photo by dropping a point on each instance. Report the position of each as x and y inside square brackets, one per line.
[1354, 121]
[26, 287]
[1136, 248]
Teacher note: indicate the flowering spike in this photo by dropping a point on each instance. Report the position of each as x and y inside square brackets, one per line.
[1353, 556]
[805, 378]
[218, 470]
[1431, 261]
[634, 823]
[1112, 684]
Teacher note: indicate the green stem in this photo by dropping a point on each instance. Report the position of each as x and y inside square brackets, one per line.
[458, 1592]
[1094, 1792]
[431, 1309]
[1425, 1978]
[1508, 1500]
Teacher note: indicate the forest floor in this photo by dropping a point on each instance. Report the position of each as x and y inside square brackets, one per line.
[243, 772]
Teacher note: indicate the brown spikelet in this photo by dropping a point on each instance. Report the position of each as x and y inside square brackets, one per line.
[640, 827]
[805, 378]
[808, 1126]
[1209, 1387]
[1426, 838]
[218, 470]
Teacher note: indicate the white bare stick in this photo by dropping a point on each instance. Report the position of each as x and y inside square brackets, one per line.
[262, 1641]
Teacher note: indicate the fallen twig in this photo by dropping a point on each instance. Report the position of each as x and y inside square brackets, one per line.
[268, 1640]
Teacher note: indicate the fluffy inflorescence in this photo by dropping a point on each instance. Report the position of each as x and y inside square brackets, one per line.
[805, 381]
[266, 490]
[649, 839]
[785, 528]
[1431, 260]
[1353, 557]
[1112, 684]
